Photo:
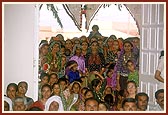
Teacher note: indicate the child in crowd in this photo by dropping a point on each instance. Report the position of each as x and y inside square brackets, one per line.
[73, 74]
[44, 77]
[133, 73]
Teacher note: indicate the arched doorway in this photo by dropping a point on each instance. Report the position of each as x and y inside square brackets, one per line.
[109, 19]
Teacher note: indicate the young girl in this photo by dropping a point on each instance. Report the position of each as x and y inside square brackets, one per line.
[73, 74]
[131, 89]
[111, 76]
[133, 73]
[44, 77]
[74, 99]
[98, 86]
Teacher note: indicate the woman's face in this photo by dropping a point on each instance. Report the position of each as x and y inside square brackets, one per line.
[44, 49]
[130, 66]
[11, 92]
[75, 67]
[68, 44]
[56, 48]
[56, 89]
[127, 47]
[63, 84]
[84, 45]
[89, 94]
[76, 88]
[53, 79]
[22, 88]
[131, 88]
[78, 51]
[110, 42]
[46, 92]
[76, 42]
[54, 106]
[44, 80]
[94, 46]
[115, 45]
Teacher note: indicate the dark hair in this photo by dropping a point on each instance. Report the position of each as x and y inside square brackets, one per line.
[128, 100]
[67, 52]
[54, 85]
[96, 27]
[69, 40]
[70, 63]
[95, 83]
[35, 109]
[158, 92]
[88, 90]
[62, 46]
[76, 83]
[60, 36]
[53, 74]
[13, 85]
[43, 74]
[24, 83]
[108, 72]
[109, 99]
[127, 41]
[141, 94]
[113, 37]
[161, 53]
[7, 105]
[85, 42]
[46, 85]
[121, 92]
[94, 42]
[132, 82]
[43, 42]
[129, 61]
[62, 79]
[84, 88]
[112, 66]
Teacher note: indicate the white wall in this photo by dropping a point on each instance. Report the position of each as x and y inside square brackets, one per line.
[19, 39]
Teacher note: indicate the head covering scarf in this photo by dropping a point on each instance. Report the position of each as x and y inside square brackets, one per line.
[9, 101]
[75, 47]
[54, 98]
[52, 44]
[42, 43]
